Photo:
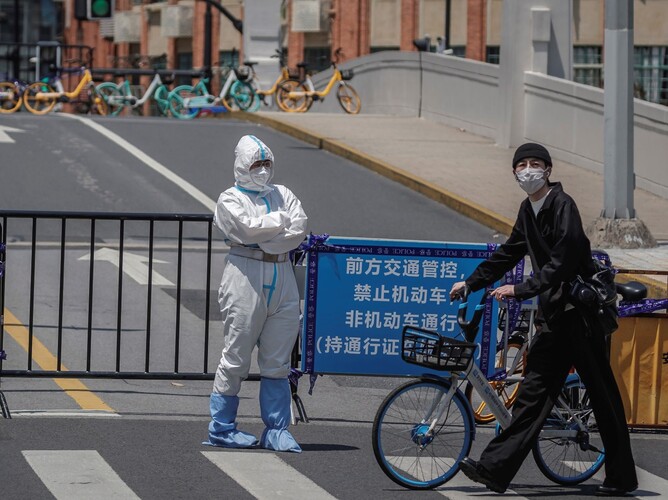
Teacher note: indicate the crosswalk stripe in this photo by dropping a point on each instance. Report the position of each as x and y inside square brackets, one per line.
[458, 488]
[278, 478]
[77, 475]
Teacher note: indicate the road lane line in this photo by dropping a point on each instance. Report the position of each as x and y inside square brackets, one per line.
[77, 474]
[147, 160]
[74, 388]
[278, 478]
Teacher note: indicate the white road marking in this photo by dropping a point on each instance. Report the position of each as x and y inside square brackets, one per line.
[147, 160]
[4, 136]
[133, 265]
[77, 474]
[265, 476]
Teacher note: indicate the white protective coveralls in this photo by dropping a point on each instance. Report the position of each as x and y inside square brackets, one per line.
[258, 298]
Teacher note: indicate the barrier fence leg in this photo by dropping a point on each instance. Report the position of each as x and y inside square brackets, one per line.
[4, 406]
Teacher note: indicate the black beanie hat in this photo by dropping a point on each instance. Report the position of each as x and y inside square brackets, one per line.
[532, 150]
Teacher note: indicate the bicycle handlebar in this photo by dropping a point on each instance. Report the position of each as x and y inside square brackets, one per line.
[470, 327]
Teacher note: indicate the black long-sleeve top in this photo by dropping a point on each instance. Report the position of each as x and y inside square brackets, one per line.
[563, 253]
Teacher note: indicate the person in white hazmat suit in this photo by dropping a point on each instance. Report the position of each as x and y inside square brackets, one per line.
[258, 298]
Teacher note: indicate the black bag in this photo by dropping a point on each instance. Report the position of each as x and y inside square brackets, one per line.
[596, 299]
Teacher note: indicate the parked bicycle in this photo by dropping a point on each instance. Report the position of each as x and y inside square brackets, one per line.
[40, 97]
[300, 101]
[11, 95]
[424, 428]
[119, 96]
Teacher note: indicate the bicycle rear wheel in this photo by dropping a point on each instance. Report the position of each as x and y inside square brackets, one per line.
[570, 460]
[404, 448]
[10, 97]
[348, 98]
[292, 105]
[38, 106]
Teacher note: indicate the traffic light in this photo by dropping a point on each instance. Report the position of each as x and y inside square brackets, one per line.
[100, 9]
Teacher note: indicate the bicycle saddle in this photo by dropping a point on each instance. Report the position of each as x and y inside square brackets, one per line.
[632, 290]
[250, 63]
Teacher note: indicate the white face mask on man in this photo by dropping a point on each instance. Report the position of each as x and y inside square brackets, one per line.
[531, 179]
[261, 176]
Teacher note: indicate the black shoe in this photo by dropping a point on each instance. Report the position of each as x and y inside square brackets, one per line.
[476, 472]
[612, 491]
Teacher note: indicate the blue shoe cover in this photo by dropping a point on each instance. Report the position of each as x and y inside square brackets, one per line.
[223, 428]
[279, 440]
[275, 401]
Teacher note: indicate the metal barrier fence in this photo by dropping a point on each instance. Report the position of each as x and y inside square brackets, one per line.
[31, 238]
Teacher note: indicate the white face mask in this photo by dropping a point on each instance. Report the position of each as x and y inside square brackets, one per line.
[531, 179]
[261, 176]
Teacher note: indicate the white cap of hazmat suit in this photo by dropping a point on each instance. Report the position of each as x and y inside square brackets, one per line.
[258, 298]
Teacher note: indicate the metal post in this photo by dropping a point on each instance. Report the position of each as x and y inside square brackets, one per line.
[618, 176]
[448, 10]
[207, 41]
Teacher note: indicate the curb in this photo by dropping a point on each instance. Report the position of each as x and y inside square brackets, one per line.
[459, 204]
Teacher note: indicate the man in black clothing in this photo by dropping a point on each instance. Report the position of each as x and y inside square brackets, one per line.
[549, 229]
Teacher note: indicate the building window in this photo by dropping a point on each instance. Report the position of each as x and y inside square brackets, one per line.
[184, 60]
[317, 58]
[587, 65]
[651, 74]
[380, 49]
[229, 58]
[492, 54]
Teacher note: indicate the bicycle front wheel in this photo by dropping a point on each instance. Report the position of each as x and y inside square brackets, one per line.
[570, 460]
[348, 98]
[112, 96]
[406, 450]
[244, 96]
[10, 97]
[35, 103]
[178, 102]
[161, 101]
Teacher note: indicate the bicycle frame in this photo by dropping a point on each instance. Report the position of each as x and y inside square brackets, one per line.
[127, 96]
[335, 78]
[87, 78]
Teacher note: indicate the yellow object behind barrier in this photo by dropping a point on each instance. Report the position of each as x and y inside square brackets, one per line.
[639, 360]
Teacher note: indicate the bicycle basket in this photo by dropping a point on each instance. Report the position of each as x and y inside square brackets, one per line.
[243, 73]
[431, 350]
[346, 74]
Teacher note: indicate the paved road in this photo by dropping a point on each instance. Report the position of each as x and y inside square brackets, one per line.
[151, 446]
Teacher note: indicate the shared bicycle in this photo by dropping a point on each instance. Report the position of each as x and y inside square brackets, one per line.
[119, 96]
[40, 97]
[300, 101]
[424, 428]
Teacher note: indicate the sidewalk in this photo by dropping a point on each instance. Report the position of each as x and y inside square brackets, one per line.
[467, 172]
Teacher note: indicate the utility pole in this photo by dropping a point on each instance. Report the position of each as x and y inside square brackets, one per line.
[237, 23]
[618, 225]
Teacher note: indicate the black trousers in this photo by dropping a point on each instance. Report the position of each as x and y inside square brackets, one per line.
[550, 358]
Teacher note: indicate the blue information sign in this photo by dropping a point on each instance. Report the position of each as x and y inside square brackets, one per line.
[360, 293]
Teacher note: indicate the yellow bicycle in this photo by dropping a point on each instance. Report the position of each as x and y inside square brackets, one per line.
[40, 97]
[297, 101]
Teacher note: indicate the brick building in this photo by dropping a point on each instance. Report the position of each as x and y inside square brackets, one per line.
[170, 33]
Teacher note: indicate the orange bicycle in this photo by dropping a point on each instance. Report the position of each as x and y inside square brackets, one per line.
[40, 97]
[298, 101]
